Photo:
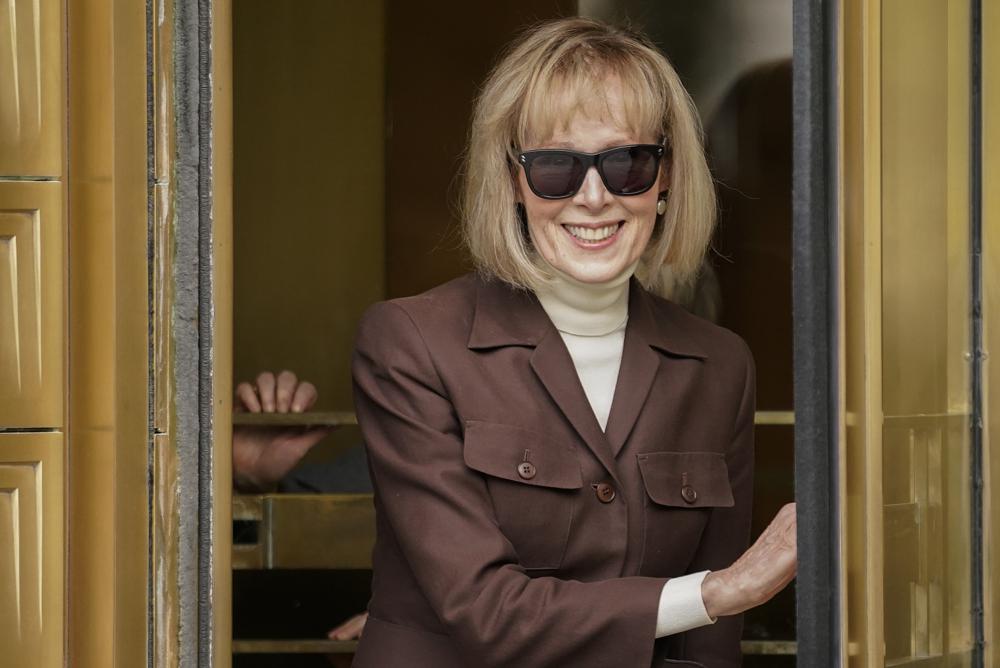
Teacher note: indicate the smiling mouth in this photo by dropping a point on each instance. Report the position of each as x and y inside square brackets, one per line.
[593, 235]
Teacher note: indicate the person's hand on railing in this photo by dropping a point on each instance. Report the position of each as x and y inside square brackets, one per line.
[264, 455]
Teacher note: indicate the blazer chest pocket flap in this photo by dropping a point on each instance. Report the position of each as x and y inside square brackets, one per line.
[502, 451]
[687, 479]
[533, 482]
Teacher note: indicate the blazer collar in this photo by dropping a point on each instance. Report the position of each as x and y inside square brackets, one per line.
[650, 326]
[665, 328]
[506, 316]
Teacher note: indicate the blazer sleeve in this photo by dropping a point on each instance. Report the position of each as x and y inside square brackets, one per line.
[442, 516]
[727, 534]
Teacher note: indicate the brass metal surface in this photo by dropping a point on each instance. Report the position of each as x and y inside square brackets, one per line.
[31, 304]
[32, 88]
[288, 526]
[311, 419]
[861, 379]
[925, 287]
[92, 431]
[33, 595]
[32, 548]
[109, 430]
[769, 647]
[132, 346]
[905, 207]
[304, 646]
[774, 417]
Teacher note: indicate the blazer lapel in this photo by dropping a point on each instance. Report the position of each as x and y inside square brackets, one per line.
[639, 367]
[554, 367]
[648, 331]
[504, 317]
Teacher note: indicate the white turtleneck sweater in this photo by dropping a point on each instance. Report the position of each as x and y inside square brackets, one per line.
[591, 320]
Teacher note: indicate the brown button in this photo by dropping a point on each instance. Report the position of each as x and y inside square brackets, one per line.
[605, 492]
[689, 494]
[526, 470]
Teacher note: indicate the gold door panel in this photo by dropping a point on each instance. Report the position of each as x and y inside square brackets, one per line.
[31, 549]
[285, 527]
[31, 97]
[926, 279]
[907, 186]
[31, 304]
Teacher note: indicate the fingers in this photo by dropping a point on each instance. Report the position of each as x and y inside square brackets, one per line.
[784, 525]
[285, 390]
[349, 630]
[247, 398]
[304, 397]
[265, 388]
[270, 394]
[787, 512]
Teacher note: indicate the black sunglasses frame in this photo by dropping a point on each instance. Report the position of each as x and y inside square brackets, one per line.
[589, 160]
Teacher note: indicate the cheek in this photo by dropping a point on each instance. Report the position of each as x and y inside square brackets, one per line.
[542, 215]
[543, 230]
[644, 211]
[644, 215]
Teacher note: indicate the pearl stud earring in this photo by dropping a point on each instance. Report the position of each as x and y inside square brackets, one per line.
[661, 207]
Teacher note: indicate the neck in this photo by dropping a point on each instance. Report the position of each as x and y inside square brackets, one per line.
[586, 309]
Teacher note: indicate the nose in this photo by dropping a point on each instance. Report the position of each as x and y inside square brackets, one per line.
[592, 193]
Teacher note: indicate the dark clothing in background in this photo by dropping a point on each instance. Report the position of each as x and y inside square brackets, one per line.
[347, 474]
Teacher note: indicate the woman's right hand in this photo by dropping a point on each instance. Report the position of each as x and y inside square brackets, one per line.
[760, 573]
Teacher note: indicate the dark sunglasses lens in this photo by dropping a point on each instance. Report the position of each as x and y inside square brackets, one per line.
[555, 174]
[629, 170]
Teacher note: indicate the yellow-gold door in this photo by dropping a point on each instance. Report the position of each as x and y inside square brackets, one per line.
[32, 334]
[915, 300]
[88, 436]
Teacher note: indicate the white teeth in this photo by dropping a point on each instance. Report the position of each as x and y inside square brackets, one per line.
[590, 233]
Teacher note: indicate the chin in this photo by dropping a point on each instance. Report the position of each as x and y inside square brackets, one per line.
[600, 274]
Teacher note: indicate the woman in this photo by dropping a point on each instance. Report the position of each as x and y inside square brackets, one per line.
[562, 461]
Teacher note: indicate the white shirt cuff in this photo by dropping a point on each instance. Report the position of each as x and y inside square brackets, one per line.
[681, 605]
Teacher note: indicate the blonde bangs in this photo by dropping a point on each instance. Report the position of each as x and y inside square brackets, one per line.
[575, 80]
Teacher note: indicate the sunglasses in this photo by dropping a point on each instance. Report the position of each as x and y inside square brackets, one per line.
[625, 170]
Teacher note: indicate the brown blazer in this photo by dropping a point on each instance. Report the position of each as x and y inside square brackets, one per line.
[511, 530]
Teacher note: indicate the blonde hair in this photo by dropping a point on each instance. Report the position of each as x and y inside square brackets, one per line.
[551, 71]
